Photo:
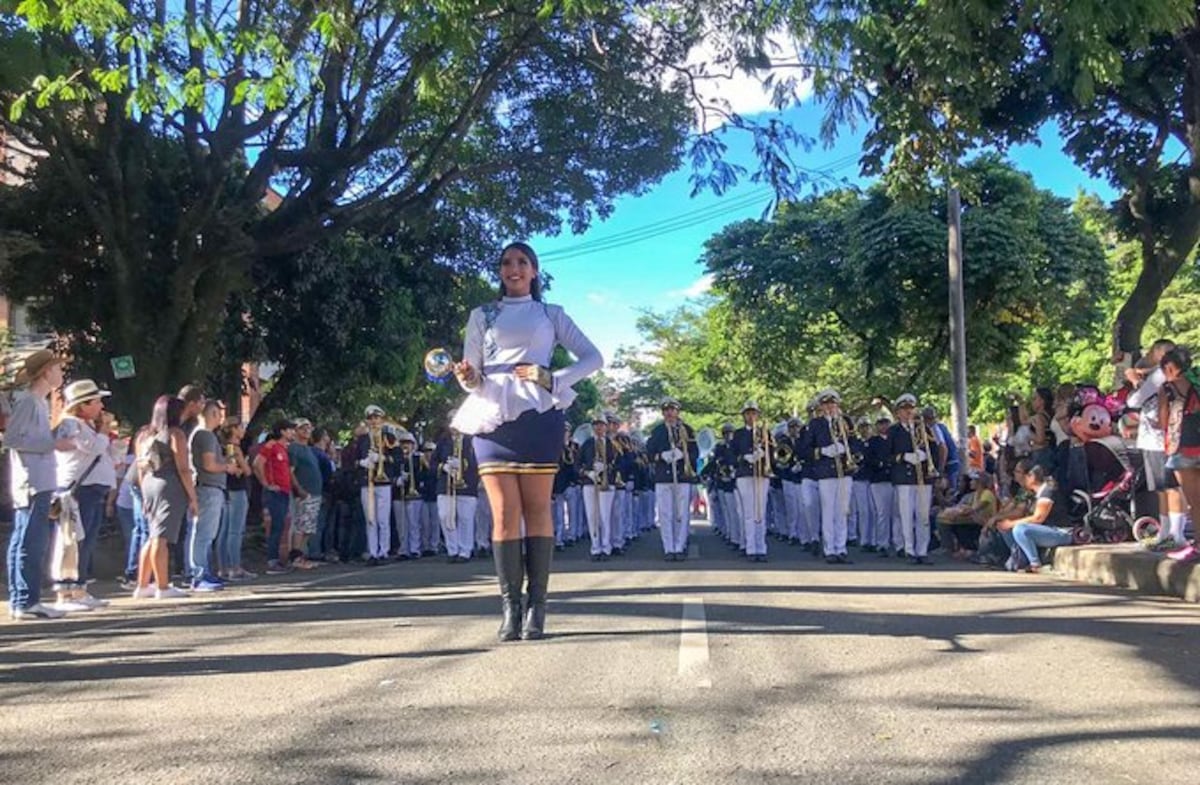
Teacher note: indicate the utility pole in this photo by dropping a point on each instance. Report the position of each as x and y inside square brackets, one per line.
[958, 327]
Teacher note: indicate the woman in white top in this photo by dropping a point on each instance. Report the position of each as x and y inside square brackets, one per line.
[515, 411]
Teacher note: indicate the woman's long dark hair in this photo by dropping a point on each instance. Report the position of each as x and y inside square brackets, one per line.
[1047, 399]
[166, 415]
[535, 288]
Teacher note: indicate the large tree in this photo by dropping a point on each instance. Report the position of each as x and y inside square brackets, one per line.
[165, 127]
[937, 79]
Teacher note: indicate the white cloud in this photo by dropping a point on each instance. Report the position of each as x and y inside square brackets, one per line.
[699, 287]
[729, 89]
[598, 298]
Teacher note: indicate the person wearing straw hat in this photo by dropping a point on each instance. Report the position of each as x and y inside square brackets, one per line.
[85, 470]
[753, 470]
[32, 482]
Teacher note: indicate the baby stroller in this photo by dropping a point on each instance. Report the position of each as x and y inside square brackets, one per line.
[1103, 510]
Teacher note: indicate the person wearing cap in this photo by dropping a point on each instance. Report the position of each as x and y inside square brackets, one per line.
[672, 447]
[408, 505]
[32, 481]
[458, 482]
[877, 462]
[596, 465]
[515, 409]
[376, 459]
[751, 445]
[577, 526]
[429, 495]
[810, 490]
[306, 494]
[911, 478]
[85, 470]
[862, 510]
[829, 444]
[617, 478]
[211, 472]
[273, 469]
[790, 475]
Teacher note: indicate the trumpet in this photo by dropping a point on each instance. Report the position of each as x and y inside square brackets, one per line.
[783, 455]
[601, 482]
[846, 463]
[926, 469]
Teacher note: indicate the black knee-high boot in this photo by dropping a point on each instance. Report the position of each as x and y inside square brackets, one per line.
[539, 553]
[510, 570]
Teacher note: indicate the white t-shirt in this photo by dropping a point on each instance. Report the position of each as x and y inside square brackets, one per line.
[87, 446]
[1145, 397]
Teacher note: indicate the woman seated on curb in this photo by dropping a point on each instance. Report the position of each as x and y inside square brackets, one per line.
[1034, 530]
[959, 526]
[993, 548]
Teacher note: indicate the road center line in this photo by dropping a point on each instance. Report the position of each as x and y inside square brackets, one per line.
[693, 643]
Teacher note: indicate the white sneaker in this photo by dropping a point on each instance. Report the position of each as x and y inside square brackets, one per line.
[72, 606]
[38, 611]
[94, 602]
[169, 593]
[143, 592]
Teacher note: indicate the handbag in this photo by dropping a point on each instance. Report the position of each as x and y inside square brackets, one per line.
[56, 504]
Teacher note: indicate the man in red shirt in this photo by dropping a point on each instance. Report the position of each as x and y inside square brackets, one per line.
[274, 472]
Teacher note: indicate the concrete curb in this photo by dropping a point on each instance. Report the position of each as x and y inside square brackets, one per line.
[1130, 567]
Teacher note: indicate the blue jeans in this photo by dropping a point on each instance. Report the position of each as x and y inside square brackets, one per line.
[233, 530]
[211, 501]
[91, 515]
[1029, 536]
[27, 551]
[133, 529]
[277, 505]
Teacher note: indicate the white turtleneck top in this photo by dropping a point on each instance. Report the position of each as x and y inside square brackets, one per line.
[511, 332]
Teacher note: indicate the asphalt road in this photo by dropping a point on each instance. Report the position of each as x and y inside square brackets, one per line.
[709, 671]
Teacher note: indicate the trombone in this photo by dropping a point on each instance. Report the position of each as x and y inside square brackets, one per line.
[926, 469]
[455, 481]
[380, 440]
[841, 435]
[761, 438]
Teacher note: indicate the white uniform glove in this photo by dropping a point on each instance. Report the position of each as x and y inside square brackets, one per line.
[599, 466]
[452, 466]
[839, 448]
[922, 455]
[672, 455]
[759, 454]
[749, 457]
[371, 459]
[830, 450]
[912, 457]
[590, 475]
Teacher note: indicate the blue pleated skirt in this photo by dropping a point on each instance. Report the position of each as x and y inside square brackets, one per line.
[530, 444]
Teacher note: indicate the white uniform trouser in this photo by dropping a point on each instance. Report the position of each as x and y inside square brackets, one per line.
[458, 530]
[733, 516]
[835, 509]
[793, 508]
[778, 508]
[810, 509]
[558, 513]
[377, 512]
[408, 518]
[864, 512]
[631, 529]
[598, 505]
[713, 502]
[616, 518]
[887, 533]
[753, 493]
[912, 505]
[483, 520]
[576, 525]
[673, 513]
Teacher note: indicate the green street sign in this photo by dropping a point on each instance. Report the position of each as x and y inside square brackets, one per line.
[123, 367]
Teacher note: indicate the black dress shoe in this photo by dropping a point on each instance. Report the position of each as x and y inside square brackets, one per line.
[831, 560]
[844, 559]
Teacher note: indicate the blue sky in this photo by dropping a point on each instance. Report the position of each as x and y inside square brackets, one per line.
[605, 288]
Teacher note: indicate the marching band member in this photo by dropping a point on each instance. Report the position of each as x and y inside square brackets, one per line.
[810, 492]
[885, 535]
[829, 448]
[617, 510]
[407, 504]
[751, 444]
[429, 493]
[375, 453]
[672, 446]
[643, 493]
[790, 472]
[724, 460]
[563, 481]
[776, 507]
[458, 482]
[596, 466]
[862, 511]
[627, 467]
[913, 474]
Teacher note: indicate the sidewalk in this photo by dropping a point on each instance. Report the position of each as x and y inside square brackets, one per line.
[1130, 567]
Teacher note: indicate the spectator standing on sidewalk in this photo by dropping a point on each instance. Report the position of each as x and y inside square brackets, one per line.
[211, 471]
[168, 495]
[320, 546]
[237, 502]
[273, 470]
[306, 495]
[85, 469]
[32, 476]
